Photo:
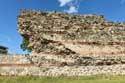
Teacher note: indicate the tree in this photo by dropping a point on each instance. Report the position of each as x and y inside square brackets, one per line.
[24, 45]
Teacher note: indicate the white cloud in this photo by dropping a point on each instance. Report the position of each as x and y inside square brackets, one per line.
[64, 2]
[72, 4]
[72, 9]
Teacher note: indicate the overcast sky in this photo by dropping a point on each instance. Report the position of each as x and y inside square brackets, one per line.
[113, 10]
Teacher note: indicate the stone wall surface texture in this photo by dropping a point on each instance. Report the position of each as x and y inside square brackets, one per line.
[70, 39]
[68, 45]
[14, 59]
[63, 71]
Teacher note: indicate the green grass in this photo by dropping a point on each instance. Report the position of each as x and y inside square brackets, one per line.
[87, 79]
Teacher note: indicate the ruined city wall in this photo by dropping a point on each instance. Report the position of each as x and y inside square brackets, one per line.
[55, 29]
[69, 38]
[67, 45]
[13, 59]
[20, 65]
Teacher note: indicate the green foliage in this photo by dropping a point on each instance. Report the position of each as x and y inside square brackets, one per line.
[24, 45]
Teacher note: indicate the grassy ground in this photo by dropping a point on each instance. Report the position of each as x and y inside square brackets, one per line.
[88, 79]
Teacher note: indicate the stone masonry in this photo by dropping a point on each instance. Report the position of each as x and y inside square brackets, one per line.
[61, 39]
[67, 45]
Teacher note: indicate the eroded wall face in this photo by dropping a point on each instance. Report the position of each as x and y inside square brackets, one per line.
[70, 37]
[68, 45]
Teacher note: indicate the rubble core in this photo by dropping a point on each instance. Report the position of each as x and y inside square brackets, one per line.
[66, 39]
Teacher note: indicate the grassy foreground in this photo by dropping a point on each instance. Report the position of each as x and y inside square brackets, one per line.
[88, 79]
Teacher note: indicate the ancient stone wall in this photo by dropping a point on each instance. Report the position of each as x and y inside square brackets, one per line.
[43, 28]
[20, 65]
[70, 39]
[13, 59]
[62, 71]
[67, 45]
